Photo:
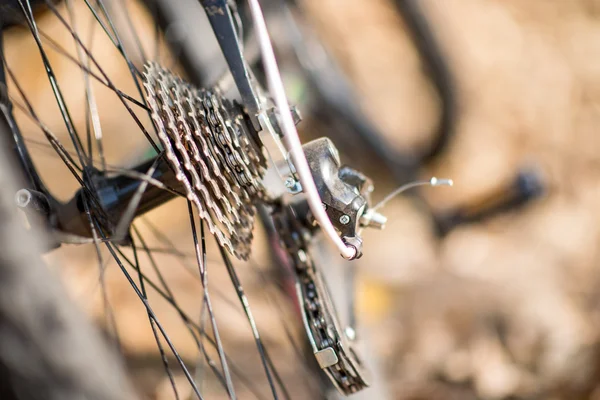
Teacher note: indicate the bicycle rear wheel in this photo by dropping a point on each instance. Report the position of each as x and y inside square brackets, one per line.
[77, 104]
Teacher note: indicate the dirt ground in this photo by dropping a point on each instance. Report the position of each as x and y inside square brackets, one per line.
[508, 308]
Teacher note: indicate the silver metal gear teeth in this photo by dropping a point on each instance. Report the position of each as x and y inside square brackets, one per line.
[207, 143]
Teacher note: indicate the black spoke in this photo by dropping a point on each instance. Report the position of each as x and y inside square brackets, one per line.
[91, 112]
[58, 147]
[64, 154]
[161, 349]
[132, 30]
[135, 73]
[246, 306]
[154, 318]
[86, 68]
[53, 82]
[110, 168]
[55, 143]
[133, 115]
[201, 259]
[108, 312]
[309, 375]
[102, 24]
[173, 250]
[169, 296]
[145, 178]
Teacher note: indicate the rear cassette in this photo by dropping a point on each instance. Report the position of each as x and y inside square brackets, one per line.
[213, 153]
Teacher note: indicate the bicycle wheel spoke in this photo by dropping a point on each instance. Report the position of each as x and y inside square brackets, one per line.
[144, 178]
[108, 311]
[91, 111]
[201, 260]
[55, 143]
[146, 304]
[110, 168]
[163, 355]
[246, 306]
[202, 360]
[179, 310]
[58, 148]
[54, 82]
[309, 375]
[47, 148]
[135, 73]
[174, 251]
[87, 69]
[169, 296]
[102, 24]
[132, 30]
[225, 380]
[29, 111]
[96, 64]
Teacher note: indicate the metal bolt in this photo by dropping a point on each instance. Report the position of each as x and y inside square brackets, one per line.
[32, 200]
[292, 185]
[23, 198]
[344, 219]
[373, 219]
[289, 182]
[350, 333]
[297, 117]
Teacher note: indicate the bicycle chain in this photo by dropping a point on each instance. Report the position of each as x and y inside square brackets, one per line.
[319, 315]
[211, 149]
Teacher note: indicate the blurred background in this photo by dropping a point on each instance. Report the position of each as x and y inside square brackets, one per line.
[504, 307]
